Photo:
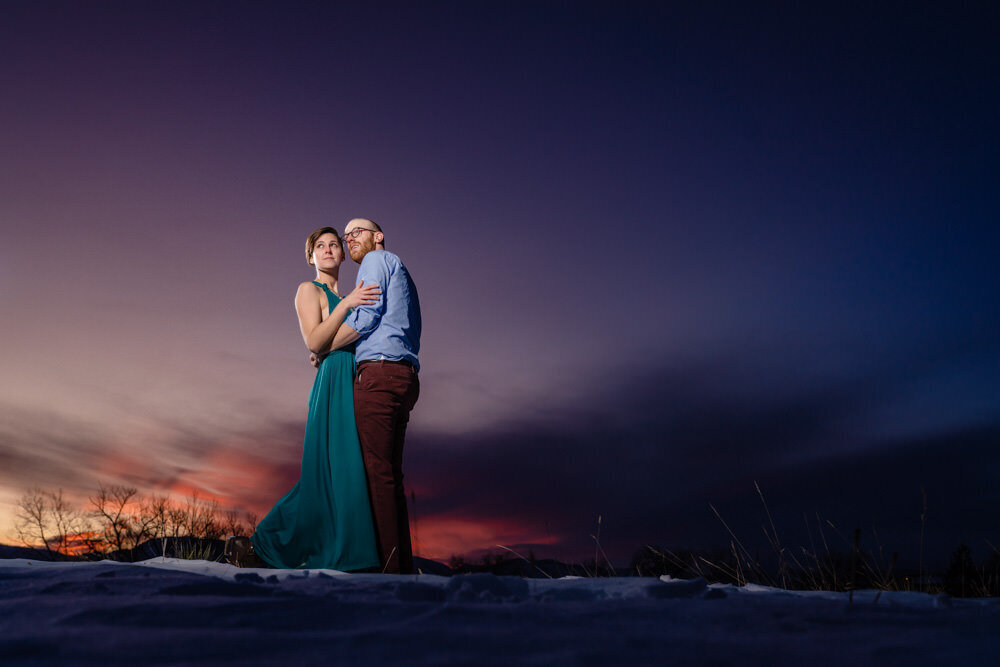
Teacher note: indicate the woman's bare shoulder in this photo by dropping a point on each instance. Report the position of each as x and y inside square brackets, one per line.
[307, 288]
[308, 293]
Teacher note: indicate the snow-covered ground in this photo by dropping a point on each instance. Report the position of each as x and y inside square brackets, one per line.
[167, 611]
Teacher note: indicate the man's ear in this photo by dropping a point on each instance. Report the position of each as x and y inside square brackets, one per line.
[379, 237]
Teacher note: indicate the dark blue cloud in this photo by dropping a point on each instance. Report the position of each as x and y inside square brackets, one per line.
[650, 451]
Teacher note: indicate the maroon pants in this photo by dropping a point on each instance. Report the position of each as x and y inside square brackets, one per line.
[384, 394]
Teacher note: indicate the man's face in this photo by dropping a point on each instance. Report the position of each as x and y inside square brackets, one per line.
[363, 244]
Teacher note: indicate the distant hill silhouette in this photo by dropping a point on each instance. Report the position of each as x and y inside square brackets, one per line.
[212, 550]
[11, 551]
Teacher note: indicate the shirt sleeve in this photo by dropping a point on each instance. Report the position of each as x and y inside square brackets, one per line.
[364, 319]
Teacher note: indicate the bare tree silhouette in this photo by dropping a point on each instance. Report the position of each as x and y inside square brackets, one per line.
[47, 520]
[118, 527]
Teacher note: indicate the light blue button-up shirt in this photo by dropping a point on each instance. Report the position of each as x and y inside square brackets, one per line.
[390, 327]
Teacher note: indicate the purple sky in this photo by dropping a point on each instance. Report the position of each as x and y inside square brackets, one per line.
[662, 252]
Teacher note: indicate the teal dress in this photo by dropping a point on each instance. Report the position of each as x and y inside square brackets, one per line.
[325, 521]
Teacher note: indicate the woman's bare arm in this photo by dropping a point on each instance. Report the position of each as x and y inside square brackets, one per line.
[317, 332]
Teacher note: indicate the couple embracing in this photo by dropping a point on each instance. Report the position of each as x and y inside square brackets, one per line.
[348, 510]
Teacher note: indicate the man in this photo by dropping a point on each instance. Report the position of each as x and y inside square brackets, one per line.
[386, 386]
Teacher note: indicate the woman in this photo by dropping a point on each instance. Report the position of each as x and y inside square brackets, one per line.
[325, 521]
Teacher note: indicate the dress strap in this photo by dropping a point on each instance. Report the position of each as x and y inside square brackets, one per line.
[331, 298]
[325, 288]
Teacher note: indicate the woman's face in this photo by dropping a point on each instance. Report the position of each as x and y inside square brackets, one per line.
[327, 253]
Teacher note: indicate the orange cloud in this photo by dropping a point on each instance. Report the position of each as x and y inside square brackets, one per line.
[440, 537]
[236, 479]
[77, 544]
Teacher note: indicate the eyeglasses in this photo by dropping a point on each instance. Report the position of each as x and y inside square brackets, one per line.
[353, 234]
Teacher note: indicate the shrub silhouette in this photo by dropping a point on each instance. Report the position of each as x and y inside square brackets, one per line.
[121, 524]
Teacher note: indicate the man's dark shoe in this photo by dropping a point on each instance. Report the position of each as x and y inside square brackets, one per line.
[239, 552]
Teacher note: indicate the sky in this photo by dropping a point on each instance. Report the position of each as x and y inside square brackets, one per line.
[664, 251]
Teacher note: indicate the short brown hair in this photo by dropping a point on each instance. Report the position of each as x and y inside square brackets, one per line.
[312, 238]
